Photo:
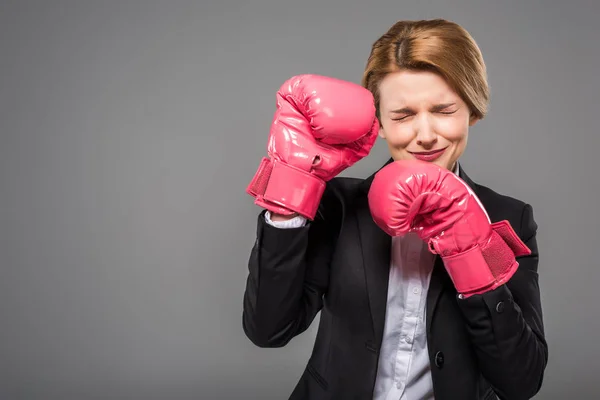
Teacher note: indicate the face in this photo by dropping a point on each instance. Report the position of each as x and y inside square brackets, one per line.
[423, 118]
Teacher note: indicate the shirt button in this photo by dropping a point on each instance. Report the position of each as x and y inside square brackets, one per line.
[416, 290]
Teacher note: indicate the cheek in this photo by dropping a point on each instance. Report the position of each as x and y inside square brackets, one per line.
[398, 135]
[453, 130]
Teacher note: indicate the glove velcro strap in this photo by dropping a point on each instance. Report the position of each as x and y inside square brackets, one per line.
[285, 189]
[512, 240]
[481, 269]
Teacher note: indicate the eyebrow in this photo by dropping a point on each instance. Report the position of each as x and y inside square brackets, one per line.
[437, 107]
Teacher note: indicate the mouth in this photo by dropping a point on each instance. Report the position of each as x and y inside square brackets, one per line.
[428, 155]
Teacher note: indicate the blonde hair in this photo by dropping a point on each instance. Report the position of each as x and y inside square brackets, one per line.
[434, 45]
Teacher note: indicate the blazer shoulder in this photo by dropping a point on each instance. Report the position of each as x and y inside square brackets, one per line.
[339, 193]
[500, 206]
[346, 184]
[348, 189]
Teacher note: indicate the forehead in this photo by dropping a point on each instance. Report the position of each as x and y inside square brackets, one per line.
[415, 88]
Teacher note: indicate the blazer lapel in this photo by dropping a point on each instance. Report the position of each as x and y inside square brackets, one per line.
[376, 254]
[437, 285]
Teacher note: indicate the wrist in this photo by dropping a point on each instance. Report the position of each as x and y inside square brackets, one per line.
[275, 217]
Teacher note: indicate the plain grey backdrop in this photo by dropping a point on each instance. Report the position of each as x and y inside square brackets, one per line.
[130, 129]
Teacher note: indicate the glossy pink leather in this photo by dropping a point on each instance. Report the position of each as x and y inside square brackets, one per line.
[321, 126]
[421, 197]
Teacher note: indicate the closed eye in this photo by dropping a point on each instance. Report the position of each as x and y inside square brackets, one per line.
[439, 112]
[401, 118]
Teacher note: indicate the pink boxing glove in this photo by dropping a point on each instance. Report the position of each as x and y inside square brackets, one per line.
[417, 196]
[322, 126]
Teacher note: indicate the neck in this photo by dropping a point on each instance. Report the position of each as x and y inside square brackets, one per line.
[454, 167]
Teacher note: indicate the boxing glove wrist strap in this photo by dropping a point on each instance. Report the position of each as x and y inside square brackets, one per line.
[285, 189]
[484, 268]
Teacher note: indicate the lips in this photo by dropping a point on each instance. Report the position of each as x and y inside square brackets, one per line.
[428, 155]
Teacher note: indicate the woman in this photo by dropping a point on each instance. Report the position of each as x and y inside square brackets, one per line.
[426, 282]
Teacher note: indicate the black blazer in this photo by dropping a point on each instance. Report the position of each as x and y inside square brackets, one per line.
[479, 347]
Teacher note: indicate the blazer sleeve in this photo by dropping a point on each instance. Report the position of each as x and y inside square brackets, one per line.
[506, 325]
[288, 275]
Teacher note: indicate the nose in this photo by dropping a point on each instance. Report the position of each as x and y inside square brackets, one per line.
[426, 136]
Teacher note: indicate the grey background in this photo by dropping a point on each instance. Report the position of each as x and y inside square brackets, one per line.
[129, 130]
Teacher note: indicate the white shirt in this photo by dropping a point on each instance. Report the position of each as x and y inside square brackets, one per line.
[404, 371]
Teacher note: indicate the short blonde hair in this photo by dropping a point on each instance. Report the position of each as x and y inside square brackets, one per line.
[434, 45]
